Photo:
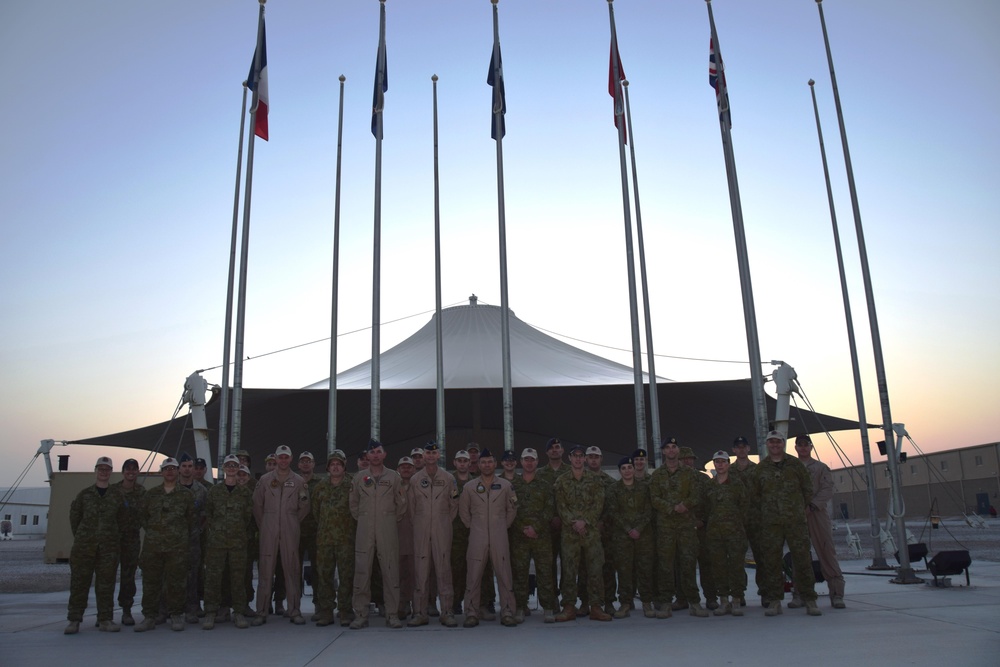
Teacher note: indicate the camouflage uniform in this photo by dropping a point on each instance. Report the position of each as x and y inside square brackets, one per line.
[706, 574]
[782, 490]
[535, 508]
[334, 546]
[581, 499]
[130, 543]
[200, 492]
[307, 536]
[227, 511]
[168, 519]
[548, 475]
[726, 536]
[751, 522]
[676, 538]
[627, 508]
[95, 519]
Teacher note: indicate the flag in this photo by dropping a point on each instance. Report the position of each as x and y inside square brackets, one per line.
[381, 73]
[257, 82]
[717, 79]
[499, 95]
[615, 88]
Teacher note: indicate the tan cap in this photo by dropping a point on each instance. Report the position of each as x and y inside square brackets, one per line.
[529, 453]
[592, 450]
[104, 461]
[462, 454]
[169, 462]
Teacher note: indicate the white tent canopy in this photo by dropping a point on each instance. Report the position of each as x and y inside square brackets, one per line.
[472, 359]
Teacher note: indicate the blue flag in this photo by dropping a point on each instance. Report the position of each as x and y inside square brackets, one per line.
[495, 80]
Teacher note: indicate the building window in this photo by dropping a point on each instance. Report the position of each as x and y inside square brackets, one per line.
[913, 469]
[979, 460]
[944, 465]
[24, 519]
[6, 517]
[34, 520]
[841, 479]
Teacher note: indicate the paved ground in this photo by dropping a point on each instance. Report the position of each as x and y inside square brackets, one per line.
[885, 624]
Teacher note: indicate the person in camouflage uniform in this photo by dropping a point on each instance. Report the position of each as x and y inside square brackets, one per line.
[168, 515]
[594, 461]
[726, 501]
[334, 542]
[783, 489]
[673, 493]
[130, 542]
[227, 513]
[706, 576]
[549, 473]
[629, 512]
[186, 478]
[531, 538]
[94, 517]
[580, 504]
[245, 478]
[307, 536]
[741, 471]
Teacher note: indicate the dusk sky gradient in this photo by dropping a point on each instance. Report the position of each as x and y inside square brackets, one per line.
[118, 157]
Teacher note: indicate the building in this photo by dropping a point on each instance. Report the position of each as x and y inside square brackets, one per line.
[27, 510]
[949, 483]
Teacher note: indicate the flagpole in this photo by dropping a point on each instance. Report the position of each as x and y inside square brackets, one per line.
[241, 303]
[227, 344]
[742, 256]
[905, 573]
[878, 560]
[439, 342]
[331, 428]
[379, 101]
[654, 405]
[640, 404]
[499, 103]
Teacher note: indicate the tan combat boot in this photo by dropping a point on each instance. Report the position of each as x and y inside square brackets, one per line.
[623, 610]
[812, 609]
[598, 614]
[567, 614]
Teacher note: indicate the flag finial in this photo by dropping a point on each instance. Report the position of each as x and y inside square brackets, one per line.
[434, 77]
[342, 78]
[625, 83]
[811, 83]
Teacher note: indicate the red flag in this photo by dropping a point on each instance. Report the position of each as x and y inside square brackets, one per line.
[615, 88]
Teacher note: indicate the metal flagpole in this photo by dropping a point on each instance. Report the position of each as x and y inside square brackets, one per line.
[226, 346]
[905, 573]
[499, 129]
[378, 102]
[743, 260]
[439, 342]
[241, 301]
[654, 405]
[331, 428]
[878, 560]
[616, 79]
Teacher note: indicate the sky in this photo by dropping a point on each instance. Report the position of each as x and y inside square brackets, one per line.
[117, 175]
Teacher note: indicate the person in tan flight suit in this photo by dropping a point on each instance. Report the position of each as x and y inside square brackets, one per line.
[378, 503]
[488, 507]
[433, 504]
[280, 501]
[406, 469]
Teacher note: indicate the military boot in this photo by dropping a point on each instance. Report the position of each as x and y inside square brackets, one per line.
[567, 614]
[147, 623]
[486, 614]
[711, 603]
[392, 621]
[773, 609]
[796, 602]
[664, 611]
[647, 610]
[448, 620]
[345, 618]
[190, 617]
[812, 609]
[519, 616]
[598, 614]
[209, 622]
[240, 621]
[177, 622]
[418, 620]
[432, 611]
[724, 607]
[679, 605]
[361, 621]
[507, 620]
[737, 610]
[838, 602]
[297, 619]
[698, 611]
[470, 622]
[549, 615]
[623, 610]
[108, 626]
[72, 628]
[127, 616]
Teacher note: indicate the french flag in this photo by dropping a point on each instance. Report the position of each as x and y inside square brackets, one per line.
[258, 84]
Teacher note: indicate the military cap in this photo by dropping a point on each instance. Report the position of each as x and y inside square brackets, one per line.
[185, 457]
[104, 461]
[551, 442]
[200, 463]
[130, 462]
[508, 455]
[168, 462]
[230, 459]
[668, 441]
[485, 453]
[529, 453]
[804, 438]
[577, 448]
[306, 455]
[282, 450]
[640, 452]
[245, 469]
[593, 450]
[373, 444]
[461, 454]
[432, 447]
[721, 454]
[775, 435]
[242, 452]
[741, 441]
[405, 460]
[417, 451]
[270, 457]
[337, 454]
[687, 453]
[625, 460]
[475, 446]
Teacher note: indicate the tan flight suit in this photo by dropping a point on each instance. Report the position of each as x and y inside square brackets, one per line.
[406, 573]
[279, 508]
[433, 504]
[821, 527]
[378, 505]
[488, 513]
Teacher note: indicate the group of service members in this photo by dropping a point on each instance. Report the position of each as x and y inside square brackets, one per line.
[420, 541]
